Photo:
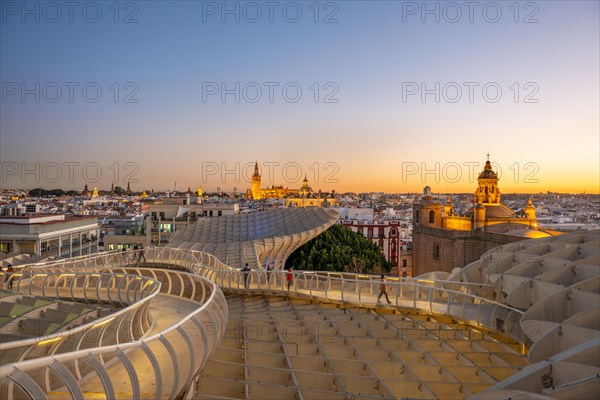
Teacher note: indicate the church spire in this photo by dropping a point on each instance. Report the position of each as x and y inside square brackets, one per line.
[488, 164]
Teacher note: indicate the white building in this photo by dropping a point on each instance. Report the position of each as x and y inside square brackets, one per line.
[364, 215]
[55, 235]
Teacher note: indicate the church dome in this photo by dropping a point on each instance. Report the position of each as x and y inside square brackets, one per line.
[487, 172]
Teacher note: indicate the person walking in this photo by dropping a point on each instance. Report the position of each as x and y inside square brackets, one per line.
[141, 254]
[268, 274]
[246, 274]
[134, 253]
[8, 277]
[123, 255]
[383, 291]
[290, 277]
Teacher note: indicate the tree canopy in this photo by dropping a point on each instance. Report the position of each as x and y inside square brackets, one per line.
[39, 192]
[342, 250]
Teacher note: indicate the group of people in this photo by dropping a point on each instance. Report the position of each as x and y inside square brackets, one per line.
[7, 278]
[290, 281]
[138, 252]
[246, 274]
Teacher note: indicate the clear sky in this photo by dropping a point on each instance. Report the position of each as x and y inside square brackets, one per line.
[391, 100]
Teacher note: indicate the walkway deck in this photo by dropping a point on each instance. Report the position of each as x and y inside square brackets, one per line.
[280, 347]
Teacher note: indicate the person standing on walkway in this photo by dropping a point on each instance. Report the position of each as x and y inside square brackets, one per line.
[383, 291]
[246, 273]
[290, 277]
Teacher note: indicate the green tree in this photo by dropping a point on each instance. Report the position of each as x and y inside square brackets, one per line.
[341, 250]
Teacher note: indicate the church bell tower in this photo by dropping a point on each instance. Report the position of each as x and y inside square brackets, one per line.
[256, 192]
[487, 186]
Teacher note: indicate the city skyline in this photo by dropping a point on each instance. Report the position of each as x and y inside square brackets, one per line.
[161, 92]
[457, 177]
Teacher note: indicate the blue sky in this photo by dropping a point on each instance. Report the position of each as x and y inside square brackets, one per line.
[364, 61]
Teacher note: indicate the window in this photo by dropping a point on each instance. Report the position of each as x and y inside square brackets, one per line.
[393, 232]
[166, 227]
[431, 217]
[436, 254]
[6, 247]
[219, 213]
[404, 263]
[417, 216]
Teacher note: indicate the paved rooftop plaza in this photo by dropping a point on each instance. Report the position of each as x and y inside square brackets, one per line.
[522, 322]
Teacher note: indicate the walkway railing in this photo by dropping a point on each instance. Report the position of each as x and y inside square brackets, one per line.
[468, 302]
[134, 291]
[161, 365]
[363, 290]
[456, 300]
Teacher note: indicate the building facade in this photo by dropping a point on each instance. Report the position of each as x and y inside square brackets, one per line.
[443, 240]
[392, 239]
[49, 236]
[118, 233]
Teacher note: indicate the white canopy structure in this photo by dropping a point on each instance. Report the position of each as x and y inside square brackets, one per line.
[260, 238]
